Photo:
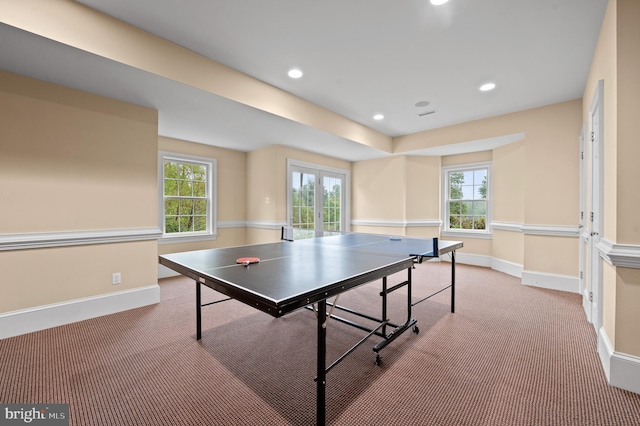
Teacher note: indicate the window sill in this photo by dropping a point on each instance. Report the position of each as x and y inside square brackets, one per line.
[187, 238]
[485, 235]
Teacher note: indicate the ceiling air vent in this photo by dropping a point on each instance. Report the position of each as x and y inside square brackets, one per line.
[422, 114]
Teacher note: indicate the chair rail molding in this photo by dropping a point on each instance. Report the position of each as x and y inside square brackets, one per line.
[37, 240]
[551, 230]
[507, 226]
[413, 223]
[623, 255]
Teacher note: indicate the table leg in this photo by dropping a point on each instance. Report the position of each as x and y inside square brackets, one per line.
[321, 363]
[198, 310]
[409, 295]
[384, 305]
[453, 281]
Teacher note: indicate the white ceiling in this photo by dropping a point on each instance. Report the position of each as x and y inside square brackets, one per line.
[359, 57]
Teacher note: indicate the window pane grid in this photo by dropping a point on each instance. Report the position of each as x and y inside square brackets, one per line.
[467, 204]
[185, 197]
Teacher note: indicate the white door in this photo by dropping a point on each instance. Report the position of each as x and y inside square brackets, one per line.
[303, 209]
[594, 280]
[584, 231]
[317, 200]
[333, 202]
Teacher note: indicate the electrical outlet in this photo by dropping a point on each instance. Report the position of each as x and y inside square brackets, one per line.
[115, 279]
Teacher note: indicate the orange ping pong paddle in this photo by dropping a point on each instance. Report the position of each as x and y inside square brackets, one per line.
[246, 261]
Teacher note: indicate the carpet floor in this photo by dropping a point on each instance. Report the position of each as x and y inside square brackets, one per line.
[510, 355]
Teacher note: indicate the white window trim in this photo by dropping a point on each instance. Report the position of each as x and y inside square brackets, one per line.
[467, 233]
[296, 164]
[211, 164]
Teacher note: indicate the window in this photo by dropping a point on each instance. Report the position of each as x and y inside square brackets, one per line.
[466, 198]
[317, 199]
[187, 205]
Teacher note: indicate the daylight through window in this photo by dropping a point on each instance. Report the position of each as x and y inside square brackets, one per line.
[467, 198]
[186, 197]
[317, 200]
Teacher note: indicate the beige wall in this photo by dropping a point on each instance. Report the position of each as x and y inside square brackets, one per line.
[262, 185]
[530, 185]
[35, 278]
[508, 194]
[628, 124]
[472, 157]
[379, 189]
[627, 317]
[423, 188]
[552, 164]
[616, 62]
[627, 296]
[553, 255]
[508, 246]
[508, 182]
[227, 237]
[71, 161]
[609, 301]
[75, 161]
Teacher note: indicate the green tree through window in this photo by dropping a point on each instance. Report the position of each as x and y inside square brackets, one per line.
[186, 202]
[467, 199]
[316, 201]
[332, 205]
[303, 196]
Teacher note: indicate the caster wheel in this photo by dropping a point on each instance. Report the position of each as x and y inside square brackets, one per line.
[416, 330]
[378, 359]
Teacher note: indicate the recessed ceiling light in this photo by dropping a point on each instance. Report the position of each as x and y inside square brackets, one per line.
[295, 73]
[422, 104]
[487, 86]
[438, 2]
[378, 117]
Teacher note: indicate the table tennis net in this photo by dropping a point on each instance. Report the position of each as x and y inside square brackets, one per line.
[289, 233]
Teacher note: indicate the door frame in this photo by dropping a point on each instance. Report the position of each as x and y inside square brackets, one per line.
[596, 205]
[320, 170]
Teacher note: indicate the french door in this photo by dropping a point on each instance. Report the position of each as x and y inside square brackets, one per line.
[317, 200]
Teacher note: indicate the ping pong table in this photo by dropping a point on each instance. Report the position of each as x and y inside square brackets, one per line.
[308, 272]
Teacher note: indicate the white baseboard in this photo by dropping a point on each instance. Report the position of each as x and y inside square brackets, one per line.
[551, 281]
[531, 278]
[622, 370]
[506, 267]
[471, 259]
[586, 305]
[29, 320]
[604, 352]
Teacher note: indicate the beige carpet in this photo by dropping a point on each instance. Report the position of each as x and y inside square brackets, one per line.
[510, 355]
